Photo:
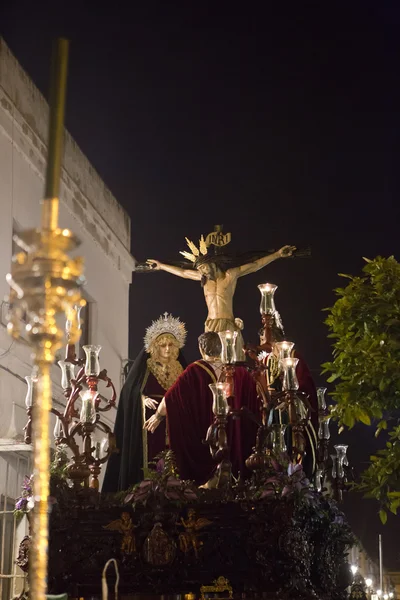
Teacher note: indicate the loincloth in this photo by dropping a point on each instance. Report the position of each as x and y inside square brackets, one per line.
[220, 325]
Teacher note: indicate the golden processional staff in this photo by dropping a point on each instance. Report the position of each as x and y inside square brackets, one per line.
[45, 283]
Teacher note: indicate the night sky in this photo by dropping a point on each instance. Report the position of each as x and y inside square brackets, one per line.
[282, 123]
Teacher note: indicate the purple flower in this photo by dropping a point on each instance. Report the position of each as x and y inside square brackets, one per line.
[174, 486]
[141, 492]
[21, 504]
[294, 468]
[27, 485]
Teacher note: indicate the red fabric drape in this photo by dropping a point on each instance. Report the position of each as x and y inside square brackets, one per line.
[189, 414]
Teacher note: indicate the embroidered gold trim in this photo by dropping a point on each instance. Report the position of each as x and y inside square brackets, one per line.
[203, 366]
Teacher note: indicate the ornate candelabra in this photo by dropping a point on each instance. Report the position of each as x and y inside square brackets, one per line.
[291, 405]
[223, 408]
[71, 423]
[217, 437]
[45, 282]
[223, 392]
[86, 458]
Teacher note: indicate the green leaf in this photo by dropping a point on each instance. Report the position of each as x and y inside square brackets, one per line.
[394, 506]
[332, 378]
[383, 516]
[364, 418]
[382, 385]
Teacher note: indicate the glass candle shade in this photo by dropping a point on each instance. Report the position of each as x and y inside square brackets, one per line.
[284, 349]
[76, 315]
[104, 447]
[67, 373]
[220, 405]
[228, 342]
[341, 459]
[58, 429]
[92, 365]
[321, 398]
[88, 410]
[323, 429]
[267, 305]
[290, 382]
[31, 392]
[278, 438]
[301, 408]
[319, 479]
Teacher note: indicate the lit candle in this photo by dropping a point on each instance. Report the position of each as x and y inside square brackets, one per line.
[220, 404]
[88, 410]
[267, 305]
[290, 381]
[284, 349]
[228, 351]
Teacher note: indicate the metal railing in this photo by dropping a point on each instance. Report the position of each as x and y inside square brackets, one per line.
[15, 464]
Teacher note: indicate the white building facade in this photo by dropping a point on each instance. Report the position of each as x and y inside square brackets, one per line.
[89, 209]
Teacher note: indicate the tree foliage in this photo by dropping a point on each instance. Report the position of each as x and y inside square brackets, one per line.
[364, 323]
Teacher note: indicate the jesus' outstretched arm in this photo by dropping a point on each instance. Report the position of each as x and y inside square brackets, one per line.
[185, 273]
[258, 264]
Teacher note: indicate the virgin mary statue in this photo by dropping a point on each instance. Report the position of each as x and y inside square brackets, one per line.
[154, 371]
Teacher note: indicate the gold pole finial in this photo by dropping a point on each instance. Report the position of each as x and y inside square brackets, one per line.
[58, 91]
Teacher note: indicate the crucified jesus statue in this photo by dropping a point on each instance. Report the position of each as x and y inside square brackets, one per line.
[219, 283]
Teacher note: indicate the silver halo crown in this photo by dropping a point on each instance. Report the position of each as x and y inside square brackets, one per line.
[165, 324]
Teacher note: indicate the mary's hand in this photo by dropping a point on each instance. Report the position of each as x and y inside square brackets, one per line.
[150, 403]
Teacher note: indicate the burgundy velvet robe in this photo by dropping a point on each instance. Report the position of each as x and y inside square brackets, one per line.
[189, 414]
